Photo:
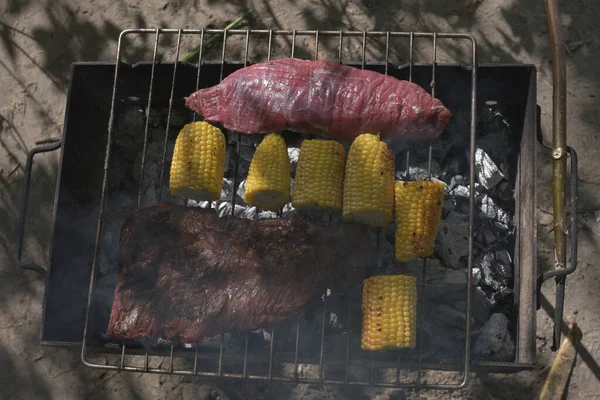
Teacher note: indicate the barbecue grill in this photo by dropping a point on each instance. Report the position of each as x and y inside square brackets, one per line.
[77, 302]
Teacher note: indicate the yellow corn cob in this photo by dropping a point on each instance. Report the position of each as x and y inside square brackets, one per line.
[198, 162]
[389, 309]
[320, 176]
[418, 213]
[268, 182]
[369, 182]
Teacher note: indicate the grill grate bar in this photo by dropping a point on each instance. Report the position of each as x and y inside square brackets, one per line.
[245, 374]
[142, 166]
[296, 351]
[271, 346]
[322, 339]
[364, 35]
[164, 156]
[410, 55]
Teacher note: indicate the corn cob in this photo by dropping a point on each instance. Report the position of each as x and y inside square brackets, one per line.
[320, 176]
[198, 162]
[369, 182]
[389, 309]
[418, 213]
[268, 182]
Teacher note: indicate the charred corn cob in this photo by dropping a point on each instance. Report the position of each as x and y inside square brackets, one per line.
[369, 182]
[268, 182]
[418, 214]
[320, 176]
[198, 162]
[389, 309]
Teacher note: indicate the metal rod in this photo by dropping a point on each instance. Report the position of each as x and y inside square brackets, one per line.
[296, 351]
[340, 44]
[293, 42]
[322, 339]
[142, 167]
[407, 165]
[410, 55]
[223, 55]
[559, 128]
[467, 361]
[246, 357]
[200, 48]
[387, 51]
[146, 362]
[271, 345]
[171, 358]
[270, 44]
[164, 156]
[220, 355]
[122, 363]
[196, 358]
[559, 153]
[239, 139]
[111, 126]
[364, 50]
[348, 341]
[316, 45]
[434, 62]
[422, 322]
[429, 161]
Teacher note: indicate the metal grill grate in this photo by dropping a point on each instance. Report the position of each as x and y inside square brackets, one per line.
[414, 378]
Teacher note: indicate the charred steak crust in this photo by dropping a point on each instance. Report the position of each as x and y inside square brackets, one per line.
[186, 275]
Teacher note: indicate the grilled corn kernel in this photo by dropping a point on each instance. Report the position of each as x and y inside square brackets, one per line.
[389, 309]
[198, 162]
[418, 213]
[320, 176]
[268, 183]
[369, 182]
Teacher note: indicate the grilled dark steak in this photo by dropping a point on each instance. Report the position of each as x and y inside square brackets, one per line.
[185, 274]
[320, 97]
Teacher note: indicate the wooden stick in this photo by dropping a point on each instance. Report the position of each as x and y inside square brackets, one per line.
[556, 382]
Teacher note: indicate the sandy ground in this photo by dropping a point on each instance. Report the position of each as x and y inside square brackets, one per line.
[40, 38]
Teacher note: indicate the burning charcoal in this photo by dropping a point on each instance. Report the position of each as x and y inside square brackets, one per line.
[504, 192]
[247, 152]
[496, 268]
[488, 173]
[226, 189]
[490, 209]
[454, 231]
[494, 341]
[129, 129]
[477, 275]
[456, 181]
[249, 213]
[334, 323]
[443, 282]
[490, 235]
[288, 210]
[480, 310]
[177, 120]
[267, 215]
[461, 191]
[241, 188]
[155, 119]
[200, 204]
[447, 316]
[224, 210]
[385, 263]
[293, 153]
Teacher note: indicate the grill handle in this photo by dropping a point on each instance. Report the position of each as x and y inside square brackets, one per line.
[24, 205]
